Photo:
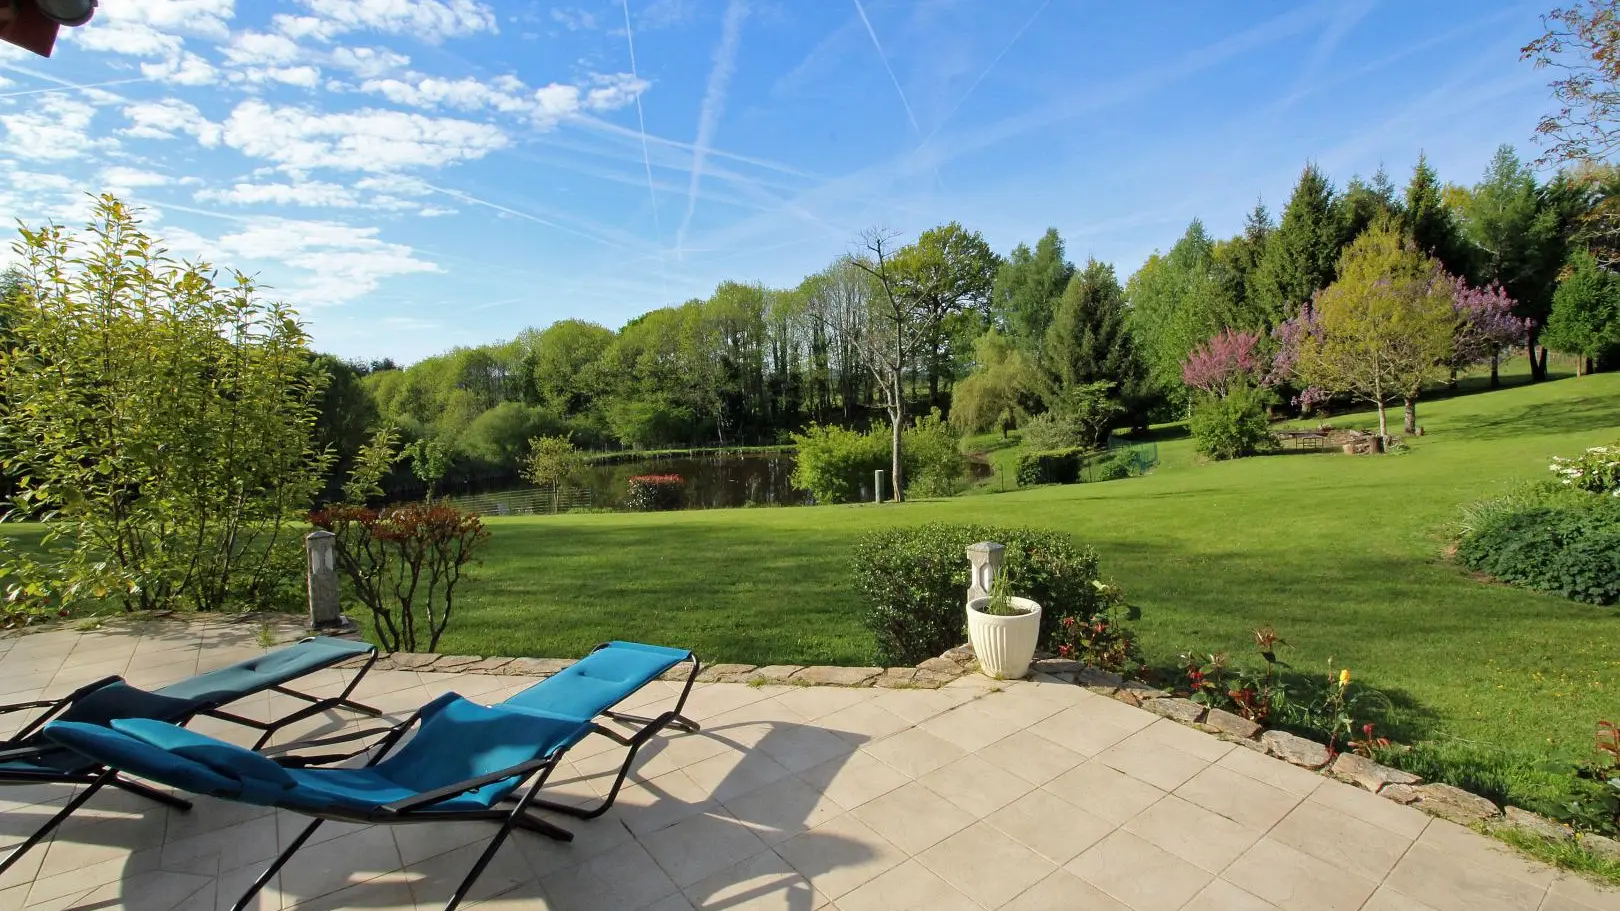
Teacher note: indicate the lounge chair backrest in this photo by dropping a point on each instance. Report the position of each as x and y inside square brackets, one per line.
[600, 680]
[138, 757]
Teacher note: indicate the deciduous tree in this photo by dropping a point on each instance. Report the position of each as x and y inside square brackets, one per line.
[1386, 325]
[1027, 289]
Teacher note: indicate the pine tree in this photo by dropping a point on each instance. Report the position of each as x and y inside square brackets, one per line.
[1301, 253]
[1364, 204]
[1430, 222]
[1027, 289]
[1089, 342]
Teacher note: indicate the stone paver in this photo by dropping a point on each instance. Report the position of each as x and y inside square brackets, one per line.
[1018, 796]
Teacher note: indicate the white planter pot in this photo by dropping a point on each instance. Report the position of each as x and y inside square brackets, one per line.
[1004, 645]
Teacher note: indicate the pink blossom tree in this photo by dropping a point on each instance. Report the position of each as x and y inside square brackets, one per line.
[1486, 327]
[1219, 364]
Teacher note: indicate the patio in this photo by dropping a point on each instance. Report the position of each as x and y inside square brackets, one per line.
[1026, 797]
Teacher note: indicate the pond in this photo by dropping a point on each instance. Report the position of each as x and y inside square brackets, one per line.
[714, 480]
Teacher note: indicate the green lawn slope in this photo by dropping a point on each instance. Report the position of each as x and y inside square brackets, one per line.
[1343, 555]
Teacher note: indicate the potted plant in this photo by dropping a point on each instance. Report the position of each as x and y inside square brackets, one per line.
[1003, 629]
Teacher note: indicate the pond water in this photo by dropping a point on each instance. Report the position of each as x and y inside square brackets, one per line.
[713, 480]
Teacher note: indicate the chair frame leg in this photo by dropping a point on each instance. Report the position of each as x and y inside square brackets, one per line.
[518, 818]
[61, 816]
[276, 865]
[316, 706]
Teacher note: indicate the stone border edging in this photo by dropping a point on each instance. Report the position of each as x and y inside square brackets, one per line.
[1436, 799]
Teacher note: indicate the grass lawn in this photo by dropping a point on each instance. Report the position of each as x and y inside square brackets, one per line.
[1341, 554]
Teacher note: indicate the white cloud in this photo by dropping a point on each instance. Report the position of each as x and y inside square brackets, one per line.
[467, 93]
[368, 62]
[205, 18]
[427, 20]
[573, 19]
[305, 76]
[310, 193]
[184, 68]
[126, 178]
[134, 39]
[170, 117]
[508, 94]
[614, 91]
[343, 261]
[556, 101]
[261, 49]
[303, 26]
[367, 140]
[58, 128]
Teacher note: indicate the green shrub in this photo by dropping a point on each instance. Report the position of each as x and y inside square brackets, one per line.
[1232, 427]
[931, 453]
[913, 582]
[1058, 466]
[1117, 465]
[1570, 549]
[833, 462]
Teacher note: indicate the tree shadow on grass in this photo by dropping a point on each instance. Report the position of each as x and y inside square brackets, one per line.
[1567, 416]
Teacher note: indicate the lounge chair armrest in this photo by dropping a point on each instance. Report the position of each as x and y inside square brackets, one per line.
[461, 787]
[283, 754]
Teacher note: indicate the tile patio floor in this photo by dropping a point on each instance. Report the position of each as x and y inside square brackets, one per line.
[1034, 797]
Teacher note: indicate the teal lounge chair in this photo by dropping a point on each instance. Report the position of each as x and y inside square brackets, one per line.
[30, 758]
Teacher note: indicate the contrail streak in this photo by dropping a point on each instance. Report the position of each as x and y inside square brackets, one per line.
[969, 93]
[714, 104]
[884, 57]
[641, 123]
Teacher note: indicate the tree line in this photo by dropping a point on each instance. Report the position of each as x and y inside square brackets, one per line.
[888, 331]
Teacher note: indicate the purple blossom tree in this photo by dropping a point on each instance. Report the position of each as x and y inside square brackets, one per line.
[1287, 338]
[1225, 360]
[1486, 327]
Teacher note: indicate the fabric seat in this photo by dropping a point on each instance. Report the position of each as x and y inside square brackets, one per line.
[592, 686]
[464, 760]
[29, 758]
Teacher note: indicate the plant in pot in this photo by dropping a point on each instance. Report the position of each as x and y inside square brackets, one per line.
[1004, 629]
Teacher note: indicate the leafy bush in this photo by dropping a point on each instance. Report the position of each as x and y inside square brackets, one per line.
[833, 462]
[1572, 550]
[404, 564]
[1103, 640]
[914, 581]
[651, 492]
[1117, 465]
[1079, 417]
[1059, 466]
[161, 424]
[1597, 470]
[931, 453]
[1232, 427]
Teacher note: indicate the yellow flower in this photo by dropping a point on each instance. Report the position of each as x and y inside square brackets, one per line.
[1344, 678]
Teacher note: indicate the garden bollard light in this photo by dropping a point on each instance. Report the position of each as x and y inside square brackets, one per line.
[985, 558]
[877, 486]
[324, 610]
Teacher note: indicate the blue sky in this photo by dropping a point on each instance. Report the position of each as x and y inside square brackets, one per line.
[418, 174]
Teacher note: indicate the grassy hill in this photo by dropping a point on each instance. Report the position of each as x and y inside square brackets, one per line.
[1343, 555]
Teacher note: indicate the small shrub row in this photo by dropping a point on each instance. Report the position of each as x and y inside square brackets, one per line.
[1561, 535]
[913, 584]
[1571, 550]
[1055, 466]
[652, 492]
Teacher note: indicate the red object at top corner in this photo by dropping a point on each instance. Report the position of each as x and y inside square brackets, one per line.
[28, 28]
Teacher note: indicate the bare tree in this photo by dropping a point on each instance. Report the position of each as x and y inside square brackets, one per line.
[1582, 41]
